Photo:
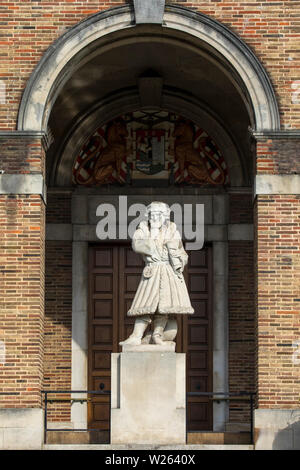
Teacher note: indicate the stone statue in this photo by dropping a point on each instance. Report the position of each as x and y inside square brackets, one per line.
[162, 291]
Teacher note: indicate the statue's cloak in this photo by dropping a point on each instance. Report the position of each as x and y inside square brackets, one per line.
[162, 288]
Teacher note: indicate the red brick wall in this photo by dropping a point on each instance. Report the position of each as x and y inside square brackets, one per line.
[58, 208]
[21, 155]
[278, 156]
[58, 325]
[270, 28]
[22, 298]
[241, 211]
[241, 326]
[277, 297]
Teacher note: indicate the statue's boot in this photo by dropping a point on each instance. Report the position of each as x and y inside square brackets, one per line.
[171, 329]
[159, 324]
[135, 339]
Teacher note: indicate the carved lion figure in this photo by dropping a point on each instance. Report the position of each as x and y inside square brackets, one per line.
[188, 157]
[110, 159]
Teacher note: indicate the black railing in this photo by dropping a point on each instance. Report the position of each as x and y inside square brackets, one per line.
[48, 400]
[222, 396]
[214, 396]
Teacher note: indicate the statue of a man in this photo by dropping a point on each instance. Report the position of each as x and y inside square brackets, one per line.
[162, 291]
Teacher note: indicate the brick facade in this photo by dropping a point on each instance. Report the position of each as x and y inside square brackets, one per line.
[22, 267]
[241, 308]
[264, 294]
[241, 211]
[278, 156]
[27, 29]
[277, 264]
[241, 326]
[58, 325]
[58, 208]
[22, 155]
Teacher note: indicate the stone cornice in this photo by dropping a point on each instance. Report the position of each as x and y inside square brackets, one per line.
[5, 134]
[26, 135]
[276, 185]
[276, 135]
[32, 183]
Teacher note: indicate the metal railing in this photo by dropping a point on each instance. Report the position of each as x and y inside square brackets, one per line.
[214, 396]
[48, 400]
[224, 396]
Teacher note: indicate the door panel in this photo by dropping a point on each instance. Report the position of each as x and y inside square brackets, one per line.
[197, 339]
[103, 329]
[115, 272]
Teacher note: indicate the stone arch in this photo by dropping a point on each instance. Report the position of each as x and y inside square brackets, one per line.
[62, 58]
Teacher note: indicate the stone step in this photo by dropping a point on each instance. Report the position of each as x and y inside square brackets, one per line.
[219, 438]
[146, 447]
[77, 437]
[102, 437]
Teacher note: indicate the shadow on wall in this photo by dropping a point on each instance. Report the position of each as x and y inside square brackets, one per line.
[288, 438]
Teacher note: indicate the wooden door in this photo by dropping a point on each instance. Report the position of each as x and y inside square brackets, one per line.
[197, 340]
[103, 328]
[114, 274]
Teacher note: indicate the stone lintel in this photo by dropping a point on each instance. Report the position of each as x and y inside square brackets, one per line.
[87, 232]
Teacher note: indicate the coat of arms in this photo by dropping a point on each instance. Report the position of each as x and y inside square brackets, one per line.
[150, 147]
[150, 151]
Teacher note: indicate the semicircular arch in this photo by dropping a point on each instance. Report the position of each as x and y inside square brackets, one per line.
[61, 58]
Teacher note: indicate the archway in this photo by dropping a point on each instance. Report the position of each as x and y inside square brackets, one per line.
[95, 73]
[61, 61]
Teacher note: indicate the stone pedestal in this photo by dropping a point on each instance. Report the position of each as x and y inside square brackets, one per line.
[148, 397]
